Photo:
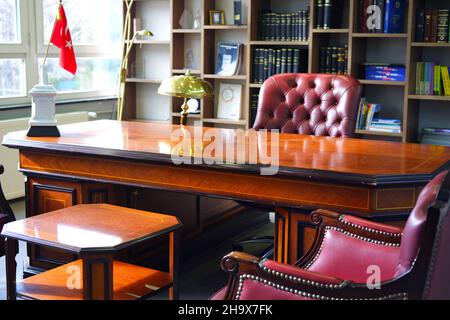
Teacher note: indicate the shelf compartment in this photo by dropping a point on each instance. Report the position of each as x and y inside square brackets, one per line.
[130, 282]
[382, 83]
[380, 35]
[225, 121]
[431, 98]
[379, 133]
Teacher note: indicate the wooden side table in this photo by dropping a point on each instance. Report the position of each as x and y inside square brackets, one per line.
[95, 233]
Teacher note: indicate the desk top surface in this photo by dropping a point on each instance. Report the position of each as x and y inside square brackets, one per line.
[299, 155]
[100, 227]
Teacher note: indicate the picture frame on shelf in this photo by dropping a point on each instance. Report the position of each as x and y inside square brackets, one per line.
[216, 17]
[229, 101]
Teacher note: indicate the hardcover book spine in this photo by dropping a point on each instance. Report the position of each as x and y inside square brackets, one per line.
[255, 78]
[427, 25]
[284, 60]
[328, 60]
[323, 60]
[395, 11]
[420, 26]
[341, 61]
[418, 77]
[278, 62]
[289, 60]
[296, 60]
[445, 80]
[261, 66]
[346, 59]
[334, 60]
[319, 14]
[443, 25]
[427, 79]
[327, 14]
[288, 27]
[253, 108]
[434, 25]
[238, 12]
[266, 65]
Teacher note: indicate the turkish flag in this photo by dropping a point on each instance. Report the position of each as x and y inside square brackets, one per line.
[61, 38]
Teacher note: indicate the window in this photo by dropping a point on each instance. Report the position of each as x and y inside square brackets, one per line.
[25, 30]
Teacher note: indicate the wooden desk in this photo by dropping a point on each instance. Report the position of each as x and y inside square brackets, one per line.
[376, 180]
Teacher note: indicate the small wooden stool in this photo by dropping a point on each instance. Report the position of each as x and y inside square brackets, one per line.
[95, 232]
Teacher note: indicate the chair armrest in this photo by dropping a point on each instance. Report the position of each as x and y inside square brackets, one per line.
[297, 282]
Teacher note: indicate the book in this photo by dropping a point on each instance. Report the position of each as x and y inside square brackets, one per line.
[327, 14]
[364, 15]
[434, 25]
[394, 16]
[375, 19]
[419, 72]
[320, 14]
[420, 26]
[427, 33]
[445, 80]
[229, 57]
[437, 90]
[443, 25]
[436, 136]
[238, 12]
[253, 108]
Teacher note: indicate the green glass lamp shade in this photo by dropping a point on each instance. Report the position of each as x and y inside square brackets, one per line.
[186, 86]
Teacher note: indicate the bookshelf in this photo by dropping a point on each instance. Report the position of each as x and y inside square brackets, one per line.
[170, 43]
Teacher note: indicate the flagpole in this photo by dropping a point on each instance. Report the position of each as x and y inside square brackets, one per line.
[51, 35]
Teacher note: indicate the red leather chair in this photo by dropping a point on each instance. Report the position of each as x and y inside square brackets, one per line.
[310, 104]
[412, 263]
[6, 214]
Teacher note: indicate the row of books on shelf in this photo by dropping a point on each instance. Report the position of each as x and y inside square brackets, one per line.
[432, 25]
[384, 72]
[329, 14]
[268, 62]
[392, 16]
[253, 108]
[333, 60]
[284, 26]
[432, 79]
[369, 119]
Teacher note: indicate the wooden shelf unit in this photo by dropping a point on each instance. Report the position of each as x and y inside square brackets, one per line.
[406, 107]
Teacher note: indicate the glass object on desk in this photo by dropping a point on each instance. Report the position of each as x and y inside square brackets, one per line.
[198, 20]
[186, 20]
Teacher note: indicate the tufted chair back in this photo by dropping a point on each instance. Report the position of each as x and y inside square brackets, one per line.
[311, 104]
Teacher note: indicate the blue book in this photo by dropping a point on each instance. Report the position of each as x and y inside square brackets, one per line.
[228, 58]
[394, 17]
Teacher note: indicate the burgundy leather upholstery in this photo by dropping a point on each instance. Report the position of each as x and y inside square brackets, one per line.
[413, 231]
[348, 258]
[310, 104]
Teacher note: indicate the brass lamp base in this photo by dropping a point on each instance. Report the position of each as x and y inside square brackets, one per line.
[184, 113]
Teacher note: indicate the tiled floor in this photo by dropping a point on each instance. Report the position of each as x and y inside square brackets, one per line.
[201, 275]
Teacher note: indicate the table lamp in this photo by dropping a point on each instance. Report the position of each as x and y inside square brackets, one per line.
[187, 87]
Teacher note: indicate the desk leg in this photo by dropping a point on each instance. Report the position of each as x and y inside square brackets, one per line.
[11, 247]
[97, 277]
[174, 257]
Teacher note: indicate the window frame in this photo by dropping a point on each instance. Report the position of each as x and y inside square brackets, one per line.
[31, 48]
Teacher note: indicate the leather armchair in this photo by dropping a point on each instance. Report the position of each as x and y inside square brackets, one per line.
[6, 214]
[412, 263]
[311, 104]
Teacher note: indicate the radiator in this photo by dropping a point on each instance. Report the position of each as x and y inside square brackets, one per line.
[12, 180]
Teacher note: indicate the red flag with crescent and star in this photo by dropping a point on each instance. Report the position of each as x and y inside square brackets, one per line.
[61, 38]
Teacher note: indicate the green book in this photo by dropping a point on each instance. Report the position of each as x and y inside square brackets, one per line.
[437, 80]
